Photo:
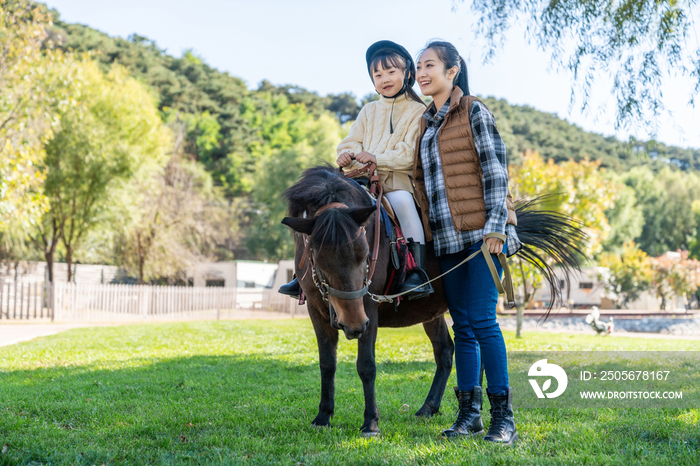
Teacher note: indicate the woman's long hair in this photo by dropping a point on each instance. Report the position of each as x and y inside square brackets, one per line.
[447, 53]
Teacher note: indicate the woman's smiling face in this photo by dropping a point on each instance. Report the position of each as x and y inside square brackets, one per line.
[431, 75]
[388, 81]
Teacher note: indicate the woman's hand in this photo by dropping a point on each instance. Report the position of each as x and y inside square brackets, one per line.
[345, 159]
[366, 157]
[494, 245]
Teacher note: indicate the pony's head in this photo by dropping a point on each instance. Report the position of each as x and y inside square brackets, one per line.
[338, 257]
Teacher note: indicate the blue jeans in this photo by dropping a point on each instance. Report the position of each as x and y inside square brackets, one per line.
[472, 297]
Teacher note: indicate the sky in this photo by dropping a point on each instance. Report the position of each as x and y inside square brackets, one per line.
[320, 45]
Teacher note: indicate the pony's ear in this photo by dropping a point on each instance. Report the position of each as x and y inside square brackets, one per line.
[300, 225]
[362, 214]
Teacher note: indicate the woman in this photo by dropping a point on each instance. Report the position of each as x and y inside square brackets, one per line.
[461, 180]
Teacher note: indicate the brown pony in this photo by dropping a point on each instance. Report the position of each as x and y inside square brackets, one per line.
[337, 257]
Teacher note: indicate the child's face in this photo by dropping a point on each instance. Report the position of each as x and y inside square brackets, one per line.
[431, 75]
[388, 81]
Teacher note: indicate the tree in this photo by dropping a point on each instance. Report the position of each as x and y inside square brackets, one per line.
[626, 217]
[694, 249]
[110, 136]
[29, 88]
[527, 278]
[576, 189]
[674, 274]
[344, 106]
[636, 42]
[301, 142]
[628, 274]
[169, 219]
[666, 200]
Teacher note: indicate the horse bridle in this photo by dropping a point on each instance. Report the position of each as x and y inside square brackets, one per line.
[319, 280]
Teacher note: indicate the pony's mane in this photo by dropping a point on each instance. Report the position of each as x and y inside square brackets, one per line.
[334, 228]
[320, 186]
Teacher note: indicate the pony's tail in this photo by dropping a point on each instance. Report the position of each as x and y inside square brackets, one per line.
[545, 233]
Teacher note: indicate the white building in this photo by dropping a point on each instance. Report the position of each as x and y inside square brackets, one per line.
[587, 291]
[233, 274]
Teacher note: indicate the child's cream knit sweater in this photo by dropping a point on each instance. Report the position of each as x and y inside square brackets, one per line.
[394, 152]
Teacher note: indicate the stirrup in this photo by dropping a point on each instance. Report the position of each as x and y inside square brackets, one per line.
[418, 293]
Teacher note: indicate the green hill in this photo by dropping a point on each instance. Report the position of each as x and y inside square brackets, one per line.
[189, 85]
[525, 128]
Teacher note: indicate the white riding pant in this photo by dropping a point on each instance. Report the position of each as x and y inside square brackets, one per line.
[405, 210]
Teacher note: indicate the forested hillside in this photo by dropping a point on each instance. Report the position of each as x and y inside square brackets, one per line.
[189, 85]
[525, 128]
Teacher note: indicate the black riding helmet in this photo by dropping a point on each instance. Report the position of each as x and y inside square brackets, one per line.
[389, 47]
[384, 46]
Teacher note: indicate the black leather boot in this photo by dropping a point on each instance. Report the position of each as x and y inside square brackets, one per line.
[418, 275]
[469, 417]
[502, 428]
[291, 289]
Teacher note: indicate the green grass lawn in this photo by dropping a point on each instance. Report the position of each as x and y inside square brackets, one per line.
[246, 392]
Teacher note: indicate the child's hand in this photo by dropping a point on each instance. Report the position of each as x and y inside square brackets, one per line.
[345, 159]
[366, 157]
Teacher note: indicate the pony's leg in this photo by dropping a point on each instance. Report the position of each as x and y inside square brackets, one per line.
[367, 370]
[443, 349]
[327, 339]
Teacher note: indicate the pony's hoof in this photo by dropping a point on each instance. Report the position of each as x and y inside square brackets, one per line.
[319, 423]
[428, 412]
[370, 429]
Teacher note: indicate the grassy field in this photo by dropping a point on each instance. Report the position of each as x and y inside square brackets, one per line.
[246, 392]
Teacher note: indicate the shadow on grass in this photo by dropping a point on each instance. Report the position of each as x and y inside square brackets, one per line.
[188, 404]
[258, 409]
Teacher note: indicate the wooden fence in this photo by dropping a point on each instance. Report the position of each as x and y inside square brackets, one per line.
[66, 302]
[24, 301]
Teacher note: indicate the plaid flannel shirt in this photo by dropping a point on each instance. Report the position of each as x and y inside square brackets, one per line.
[492, 153]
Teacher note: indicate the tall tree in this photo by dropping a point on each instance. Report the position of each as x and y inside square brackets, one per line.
[626, 217]
[674, 274]
[295, 141]
[577, 189]
[169, 218]
[666, 199]
[627, 274]
[636, 42]
[29, 88]
[111, 135]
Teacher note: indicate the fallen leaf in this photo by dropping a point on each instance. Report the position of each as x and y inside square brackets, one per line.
[183, 439]
[189, 424]
[5, 448]
[404, 408]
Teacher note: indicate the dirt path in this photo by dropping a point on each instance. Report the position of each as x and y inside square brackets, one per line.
[11, 333]
[16, 332]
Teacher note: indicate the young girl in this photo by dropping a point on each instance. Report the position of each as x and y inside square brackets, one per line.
[385, 133]
[461, 180]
